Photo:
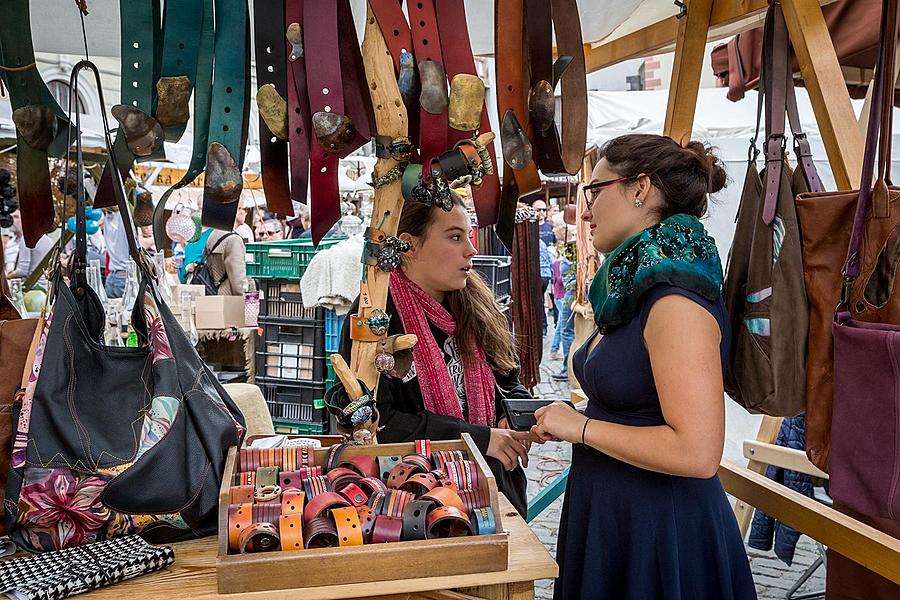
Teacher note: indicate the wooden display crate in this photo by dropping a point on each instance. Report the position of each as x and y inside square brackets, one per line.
[370, 562]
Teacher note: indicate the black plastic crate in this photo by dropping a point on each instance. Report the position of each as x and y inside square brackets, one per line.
[294, 402]
[291, 350]
[496, 271]
[281, 298]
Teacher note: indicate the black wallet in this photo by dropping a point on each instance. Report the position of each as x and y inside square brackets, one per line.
[520, 412]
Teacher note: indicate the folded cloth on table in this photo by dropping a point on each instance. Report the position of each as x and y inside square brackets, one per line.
[64, 573]
[332, 277]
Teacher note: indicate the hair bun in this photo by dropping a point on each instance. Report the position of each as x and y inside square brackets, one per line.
[710, 165]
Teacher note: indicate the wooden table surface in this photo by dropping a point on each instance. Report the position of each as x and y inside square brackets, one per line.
[194, 573]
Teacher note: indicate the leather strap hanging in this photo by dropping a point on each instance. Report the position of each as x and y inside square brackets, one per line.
[271, 97]
[433, 127]
[526, 297]
[41, 124]
[298, 101]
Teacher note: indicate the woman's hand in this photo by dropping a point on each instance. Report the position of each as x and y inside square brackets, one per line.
[509, 447]
[558, 421]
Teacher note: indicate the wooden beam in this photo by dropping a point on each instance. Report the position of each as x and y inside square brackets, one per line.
[827, 90]
[873, 549]
[728, 17]
[779, 456]
[768, 431]
[690, 48]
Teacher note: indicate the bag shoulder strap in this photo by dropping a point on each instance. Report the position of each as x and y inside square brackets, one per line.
[216, 245]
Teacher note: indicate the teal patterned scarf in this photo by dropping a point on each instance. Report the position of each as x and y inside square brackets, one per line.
[676, 251]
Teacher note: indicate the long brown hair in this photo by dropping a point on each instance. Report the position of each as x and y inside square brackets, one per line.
[473, 308]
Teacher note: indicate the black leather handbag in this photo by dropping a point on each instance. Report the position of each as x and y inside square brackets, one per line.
[110, 440]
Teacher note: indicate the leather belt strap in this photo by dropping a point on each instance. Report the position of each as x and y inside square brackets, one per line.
[335, 83]
[183, 21]
[463, 473]
[386, 464]
[414, 516]
[393, 25]
[271, 59]
[485, 523]
[260, 537]
[230, 109]
[321, 504]
[27, 89]
[448, 521]
[373, 485]
[387, 529]
[246, 478]
[442, 496]
[299, 117]
[444, 480]
[442, 457]
[366, 522]
[349, 531]
[240, 516]
[433, 127]
[472, 499]
[399, 475]
[290, 528]
[423, 448]
[333, 457]
[320, 533]
[266, 476]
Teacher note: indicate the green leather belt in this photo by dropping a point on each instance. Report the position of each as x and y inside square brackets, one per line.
[229, 114]
[28, 92]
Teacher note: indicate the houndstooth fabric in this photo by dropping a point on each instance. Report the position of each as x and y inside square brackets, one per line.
[57, 575]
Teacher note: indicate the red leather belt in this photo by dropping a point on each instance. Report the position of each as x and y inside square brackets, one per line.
[442, 457]
[267, 513]
[433, 127]
[354, 495]
[290, 480]
[321, 504]
[448, 521]
[419, 461]
[271, 59]
[423, 448]
[299, 116]
[372, 485]
[472, 500]
[464, 473]
[400, 474]
[387, 529]
[320, 533]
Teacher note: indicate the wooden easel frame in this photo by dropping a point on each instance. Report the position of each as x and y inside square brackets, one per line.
[712, 19]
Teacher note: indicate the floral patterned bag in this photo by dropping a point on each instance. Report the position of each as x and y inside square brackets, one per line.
[110, 440]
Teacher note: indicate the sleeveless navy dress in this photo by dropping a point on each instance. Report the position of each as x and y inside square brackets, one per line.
[627, 533]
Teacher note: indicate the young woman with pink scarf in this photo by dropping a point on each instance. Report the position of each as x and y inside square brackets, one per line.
[464, 362]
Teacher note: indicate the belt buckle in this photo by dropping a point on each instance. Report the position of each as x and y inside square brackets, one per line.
[334, 131]
[37, 125]
[172, 108]
[143, 133]
[516, 147]
[466, 102]
[223, 177]
[273, 110]
[433, 97]
[541, 105]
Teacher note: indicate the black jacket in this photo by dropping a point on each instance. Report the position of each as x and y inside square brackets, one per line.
[403, 417]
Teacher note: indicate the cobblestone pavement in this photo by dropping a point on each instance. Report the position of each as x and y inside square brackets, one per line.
[773, 578]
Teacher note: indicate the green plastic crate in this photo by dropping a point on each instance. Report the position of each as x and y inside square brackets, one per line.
[284, 259]
[302, 428]
[329, 374]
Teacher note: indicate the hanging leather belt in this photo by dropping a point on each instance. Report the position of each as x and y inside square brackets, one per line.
[299, 116]
[41, 125]
[338, 100]
[432, 75]
[271, 98]
[229, 114]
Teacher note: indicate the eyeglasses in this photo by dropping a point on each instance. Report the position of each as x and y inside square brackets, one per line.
[268, 233]
[592, 191]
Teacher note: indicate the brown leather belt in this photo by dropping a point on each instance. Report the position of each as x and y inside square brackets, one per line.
[366, 522]
[420, 483]
[341, 477]
[241, 494]
[290, 528]
[240, 517]
[421, 463]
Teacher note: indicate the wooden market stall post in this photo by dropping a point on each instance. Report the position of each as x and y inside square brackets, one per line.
[706, 20]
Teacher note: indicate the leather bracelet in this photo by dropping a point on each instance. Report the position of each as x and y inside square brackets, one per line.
[267, 493]
[307, 457]
[372, 485]
[354, 494]
[307, 472]
[346, 522]
[376, 502]
[266, 513]
[421, 462]
[341, 477]
[442, 457]
[485, 524]
[290, 480]
[400, 474]
[333, 457]
[292, 502]
[472, 500]
[266, 476]
[320, 533]
[366, 522]
[448, 521]
[386, 464]
[414, 515]
[387, 529]
[423, 447]
[420, 483]
[241, 494]
[366, 466]
[260, 537]
[315, 486]
[464, 473]
[290, 528]
[288, 459]
[246, 478]
[319, 505]
[398, 501]
[240, 517]
[442, 496]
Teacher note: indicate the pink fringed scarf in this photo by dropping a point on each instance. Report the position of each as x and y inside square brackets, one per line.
[416, 309]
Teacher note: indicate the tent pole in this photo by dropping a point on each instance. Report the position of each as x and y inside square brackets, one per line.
[690, 49]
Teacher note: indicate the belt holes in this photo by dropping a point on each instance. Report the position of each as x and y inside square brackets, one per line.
[298, 130]
[136, 45]
[325, 91]
[396, 33]
[424, 42]
[134, 84]
[421, 23]
[137, 65]
[324, 169]
[181, 46]
[228, 90]
[268, 49]
[134, 102]
[270, 69]
[419, 5]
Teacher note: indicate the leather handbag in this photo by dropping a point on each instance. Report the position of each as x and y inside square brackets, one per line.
[865, 328]
[764, 289]
[112, 441]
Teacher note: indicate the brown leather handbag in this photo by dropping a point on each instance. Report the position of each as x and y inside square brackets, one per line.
[15, 340]
[764, 289]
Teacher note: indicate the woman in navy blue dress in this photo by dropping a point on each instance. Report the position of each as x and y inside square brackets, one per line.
[645, 515]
